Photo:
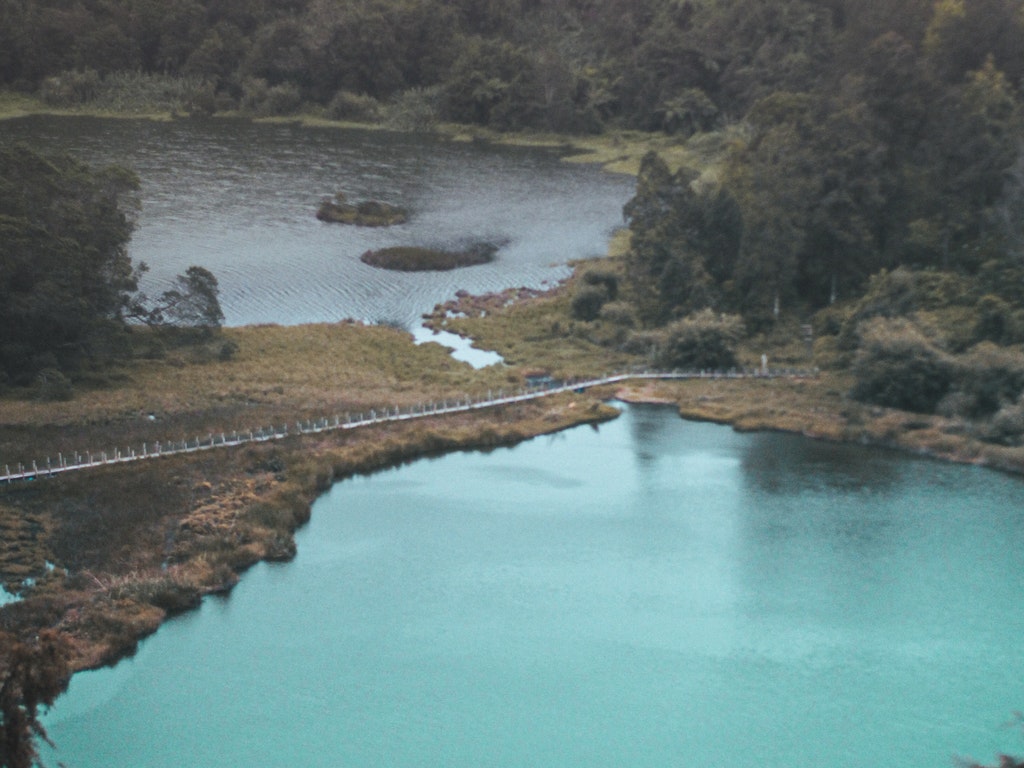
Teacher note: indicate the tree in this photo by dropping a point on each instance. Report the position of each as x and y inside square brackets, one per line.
[493, 83]
[193, 302]
[775, 181]
[961, 168]
[703, 340]
[66, 279]
[67, 285]
[899, 367]
[32, 674]
[684, 244]
[962, 34]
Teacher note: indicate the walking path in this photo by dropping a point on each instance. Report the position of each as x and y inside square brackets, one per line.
[79, 461]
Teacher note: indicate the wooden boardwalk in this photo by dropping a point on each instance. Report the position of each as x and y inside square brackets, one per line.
[90, 459]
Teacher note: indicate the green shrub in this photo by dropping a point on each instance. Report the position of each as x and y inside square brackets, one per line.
[283, 99]
[354, 107]
[52, 386]
[997, 321]
[897, 366]
[270, 101]
[607, 280]
[227, 351]
[989, 377]
[270, 515]
[1007, 426]
[587, 302]
[139, 92]
[904, 293]
[703, 340]
[644, 343]
[619, 313]
[164, 592]
[71, 88]
[416, 109]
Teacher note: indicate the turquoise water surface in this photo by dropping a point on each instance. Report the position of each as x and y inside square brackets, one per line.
[654, 592]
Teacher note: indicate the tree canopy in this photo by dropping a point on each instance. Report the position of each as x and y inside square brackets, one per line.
[65, 275]
[824, 188]
[578, 65]
[68, 288]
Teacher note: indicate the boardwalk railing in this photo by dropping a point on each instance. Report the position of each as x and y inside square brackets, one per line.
[78, 461]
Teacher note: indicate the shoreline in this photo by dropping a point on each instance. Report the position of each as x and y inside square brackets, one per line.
[246, 507]
[618, 152]
[931, 437]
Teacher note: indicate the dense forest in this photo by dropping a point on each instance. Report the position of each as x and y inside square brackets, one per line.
[568, 65]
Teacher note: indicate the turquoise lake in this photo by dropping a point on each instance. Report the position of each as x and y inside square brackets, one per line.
[652, 592]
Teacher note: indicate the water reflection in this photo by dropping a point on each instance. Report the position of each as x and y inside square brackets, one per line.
[787, 464]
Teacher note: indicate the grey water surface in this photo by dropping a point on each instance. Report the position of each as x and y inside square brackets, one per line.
[652, 592]
[240, 199]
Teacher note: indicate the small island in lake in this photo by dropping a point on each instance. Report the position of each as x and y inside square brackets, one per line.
[418, 259]
[368, 213]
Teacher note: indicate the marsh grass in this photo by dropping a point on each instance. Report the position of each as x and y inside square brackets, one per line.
[278, 375]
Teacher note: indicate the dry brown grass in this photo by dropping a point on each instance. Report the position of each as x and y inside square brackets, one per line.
[278, 375]
[135, 542]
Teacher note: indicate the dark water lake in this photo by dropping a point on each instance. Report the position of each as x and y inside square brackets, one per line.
[240, 198]
[650, 593]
